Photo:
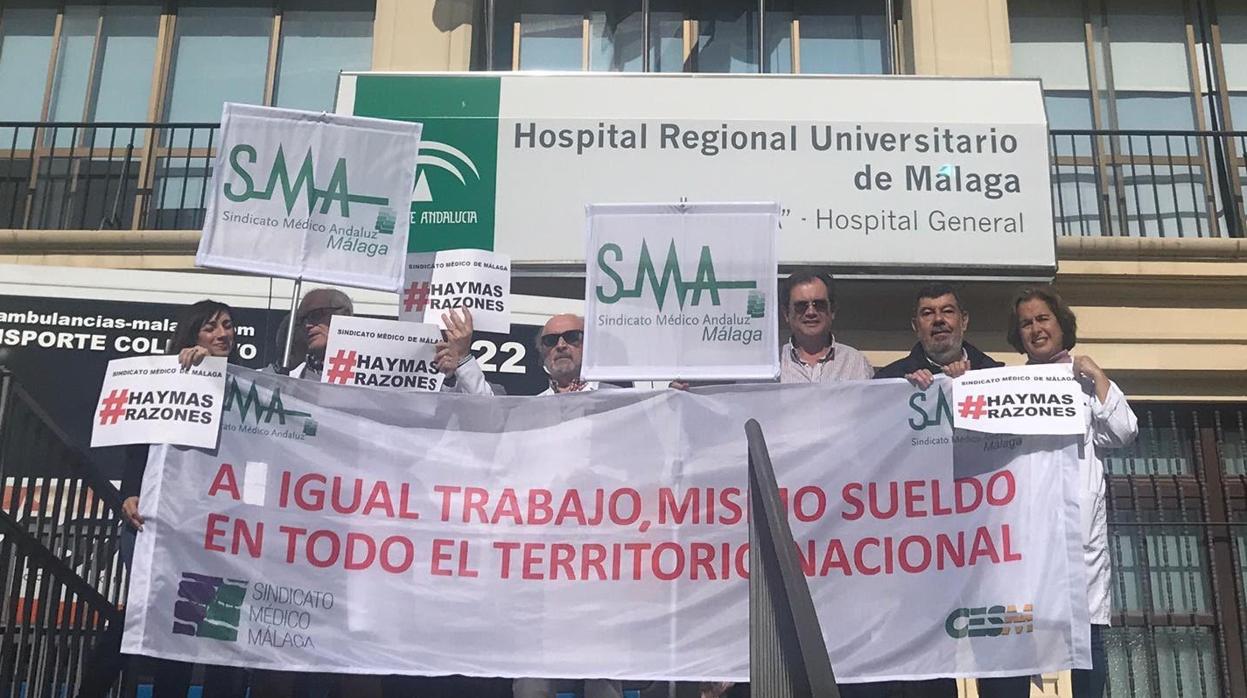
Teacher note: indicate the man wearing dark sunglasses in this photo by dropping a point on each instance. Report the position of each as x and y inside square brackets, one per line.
[813, 355]
[561, 347]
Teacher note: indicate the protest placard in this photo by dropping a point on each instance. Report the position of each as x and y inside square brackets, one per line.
[150, 399]
[681, 291]
[382, 354]
[1044, 399]
[310, 195]
[475, 280]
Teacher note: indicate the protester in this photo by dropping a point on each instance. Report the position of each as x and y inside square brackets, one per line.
[204, 329]
[454, 353]
[940, 321]
[561, 347]
[1043, 327]
[813, 355]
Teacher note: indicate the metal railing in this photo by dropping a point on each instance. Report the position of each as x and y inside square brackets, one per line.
[60, 577]
[105, 176]
[1148, 183]
[1177, 509]
[143, 176]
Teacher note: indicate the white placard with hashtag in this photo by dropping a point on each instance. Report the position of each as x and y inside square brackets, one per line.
[151, 400]
[385, 354]
[1043, 399]
[438, 282]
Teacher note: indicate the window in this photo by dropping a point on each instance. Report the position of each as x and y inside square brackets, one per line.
[317, 42]
[220, 54]
[720, 36]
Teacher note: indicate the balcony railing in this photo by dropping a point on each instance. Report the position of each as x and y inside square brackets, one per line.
[143, 176]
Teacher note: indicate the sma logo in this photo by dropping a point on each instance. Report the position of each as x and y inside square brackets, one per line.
[704, 282]
[249, 405]
[926, 415]
[242, 155]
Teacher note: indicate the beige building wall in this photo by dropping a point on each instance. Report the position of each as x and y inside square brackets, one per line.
[423, 34]
[1167, 318]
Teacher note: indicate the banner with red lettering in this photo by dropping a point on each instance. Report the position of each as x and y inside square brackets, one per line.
[603, 534]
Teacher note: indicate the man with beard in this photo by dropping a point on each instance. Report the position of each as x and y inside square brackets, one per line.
[940, 321]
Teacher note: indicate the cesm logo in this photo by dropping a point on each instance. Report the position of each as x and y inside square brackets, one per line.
[990, 621]
[347, 237]
[208, 606]
[261, 413]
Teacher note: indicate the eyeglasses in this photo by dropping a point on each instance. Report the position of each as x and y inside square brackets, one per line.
[572, 337]
[319, 316]
[820, 306]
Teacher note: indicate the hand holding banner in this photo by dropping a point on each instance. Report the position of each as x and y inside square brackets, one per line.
[1043, 399]
[382, 354]
[151, 400]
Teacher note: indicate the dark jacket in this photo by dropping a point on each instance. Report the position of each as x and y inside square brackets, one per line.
[917, 359]
[132, 476]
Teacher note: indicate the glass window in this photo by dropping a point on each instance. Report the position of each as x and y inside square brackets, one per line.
[551, 41]
[315, 46]
[1049, 42]
[846, 38]
[666, 42]
[127, 56]
[1147, 42]
[25, 49]
[220, 55]
[615, 38]
[727, 39]
[73, 65]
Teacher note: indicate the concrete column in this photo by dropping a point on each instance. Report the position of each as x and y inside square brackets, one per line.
[956, 37]
[423, 34]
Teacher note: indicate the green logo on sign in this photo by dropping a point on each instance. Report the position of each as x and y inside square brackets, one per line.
[452, 203]
[304, 184]
[705, 280]
[756, 305]
[251, 405]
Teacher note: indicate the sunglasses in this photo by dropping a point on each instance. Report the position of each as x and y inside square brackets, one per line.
[319, 316]
[820, 306]
[572, 337]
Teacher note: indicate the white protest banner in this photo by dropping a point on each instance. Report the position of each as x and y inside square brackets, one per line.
[150, 400]
[681, 291]
[476, 280]
[1044, 399]
[310, 195]
[603, 534]
[382, 354]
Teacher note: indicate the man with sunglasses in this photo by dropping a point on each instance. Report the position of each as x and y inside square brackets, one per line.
[454, 353]
[561, 347]
[813, 355]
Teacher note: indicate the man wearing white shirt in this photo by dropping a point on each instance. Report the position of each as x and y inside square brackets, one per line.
[561, 346]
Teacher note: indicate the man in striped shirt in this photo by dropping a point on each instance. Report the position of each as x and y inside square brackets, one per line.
[813, 355]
